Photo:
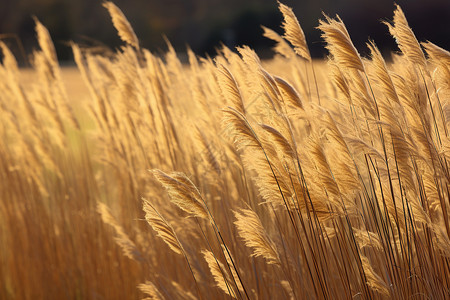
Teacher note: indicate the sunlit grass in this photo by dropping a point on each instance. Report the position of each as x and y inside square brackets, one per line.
[138, 176]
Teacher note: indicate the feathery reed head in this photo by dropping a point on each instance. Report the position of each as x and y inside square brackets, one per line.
[230, 88]
[405, 38]
[339, 43]
[240, 129]
[437, 54]
[182, 192]
[150, 290]
[255, 236]
[9, 60]
[45, 42]
[128, 247]
[281, 46]
[221, 276]
[162, 227]
[288, 93]
[122, 25]
[351, 192]
[382, 74]
[293, 32]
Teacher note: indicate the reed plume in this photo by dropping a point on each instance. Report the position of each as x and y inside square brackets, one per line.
[150, 290]
[240, 129]
[437, 53]
[405, 38]
[9, 61]
[128, 247]
[339, 43]
[221, 277]
[281, 46]
[293, 32]
[230, 88]
[288, 93]
[346, 197]
[255, 236]
[122, 25]
[162, 227]
[182, 192]
[45, 42]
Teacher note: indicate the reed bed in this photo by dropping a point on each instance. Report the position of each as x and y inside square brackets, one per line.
[228, 177]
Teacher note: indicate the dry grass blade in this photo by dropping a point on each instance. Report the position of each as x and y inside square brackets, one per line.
[255, 236]
[162, 227]
[293, 32]
[122, 25]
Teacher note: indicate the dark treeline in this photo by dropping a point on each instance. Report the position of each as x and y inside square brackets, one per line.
[205, 24]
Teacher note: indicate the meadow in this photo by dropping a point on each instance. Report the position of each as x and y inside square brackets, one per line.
[138, 176]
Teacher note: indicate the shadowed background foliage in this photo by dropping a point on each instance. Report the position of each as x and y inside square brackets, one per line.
[204, 24]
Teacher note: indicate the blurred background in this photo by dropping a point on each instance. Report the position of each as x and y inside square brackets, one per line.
[204, 24]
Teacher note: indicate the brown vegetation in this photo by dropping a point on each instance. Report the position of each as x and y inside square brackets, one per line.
[287, 179]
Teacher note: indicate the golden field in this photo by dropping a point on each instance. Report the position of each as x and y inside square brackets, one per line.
[136, 176]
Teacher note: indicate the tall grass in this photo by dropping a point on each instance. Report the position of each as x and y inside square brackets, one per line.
[228, 177]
